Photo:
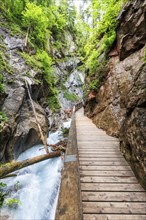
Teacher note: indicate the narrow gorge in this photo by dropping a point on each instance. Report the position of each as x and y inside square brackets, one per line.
[64, 53]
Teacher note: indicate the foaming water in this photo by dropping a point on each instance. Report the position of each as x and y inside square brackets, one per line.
[36, 186]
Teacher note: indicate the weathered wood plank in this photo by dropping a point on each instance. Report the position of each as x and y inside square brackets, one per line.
[114, 196]
[105, 173]
[103, 163]
[98, 148]
[99, 151]
[111, 187]
[102, 159]
[96, 155]
[104, 168]
[113, 217]
[114, 207]
[108, 179]
[99, 143]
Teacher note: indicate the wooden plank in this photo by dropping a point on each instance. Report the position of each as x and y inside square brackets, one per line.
[93, 146]
[104, 168]
[96, 155]
[114, 208]
[114, 196]
[99, 146]
[108, 179]
[97, 143]
[102, 159]
[113, 217]
[99, 151]
[97, 139]
[103, 163]
[92, 149]
[111, 187]
[105, 173]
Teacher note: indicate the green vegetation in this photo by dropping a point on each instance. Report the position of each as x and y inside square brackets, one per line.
[45, 24]
[102, 34]
[11, 202]
[2, 194]
[3, 119]
[53, 103]
[1, 83]
[104, 14]
[4, 65]
[65, 131]
[71, 96]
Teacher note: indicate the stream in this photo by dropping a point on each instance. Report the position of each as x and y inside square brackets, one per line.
[36, 186]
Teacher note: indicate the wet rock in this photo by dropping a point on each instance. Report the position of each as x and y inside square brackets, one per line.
[21, 131]
[13, 103]
[56, 119]
[26, 132]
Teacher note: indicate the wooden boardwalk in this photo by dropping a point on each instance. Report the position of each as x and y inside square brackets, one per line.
[109, 189]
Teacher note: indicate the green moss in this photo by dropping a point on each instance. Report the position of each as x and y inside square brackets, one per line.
[71, 96]
[4, 64]
[31, 60]
[2, 88]
[53, 103]
[3, 120]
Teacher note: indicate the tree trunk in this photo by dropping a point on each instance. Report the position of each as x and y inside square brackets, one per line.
[16, 165]
[36, 118]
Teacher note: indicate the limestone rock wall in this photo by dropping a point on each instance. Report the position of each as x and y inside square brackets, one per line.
[120, 104]
[21, 131]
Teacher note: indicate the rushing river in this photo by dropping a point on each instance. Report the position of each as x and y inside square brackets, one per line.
[36, 186]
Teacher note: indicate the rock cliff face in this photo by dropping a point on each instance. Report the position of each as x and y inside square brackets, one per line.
[119, 107]
[21, 131]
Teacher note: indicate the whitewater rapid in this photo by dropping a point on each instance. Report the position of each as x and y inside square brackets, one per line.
[37, 186]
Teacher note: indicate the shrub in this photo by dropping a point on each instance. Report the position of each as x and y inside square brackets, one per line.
[71, 96]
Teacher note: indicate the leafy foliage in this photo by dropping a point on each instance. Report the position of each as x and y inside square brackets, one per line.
[71, 96]
[65, 131]
[103, 32]
[36, 20]
[12, 202]
[53, 102]
[1, 83]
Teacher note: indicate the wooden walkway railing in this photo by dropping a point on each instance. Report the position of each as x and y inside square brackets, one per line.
[109, 189]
